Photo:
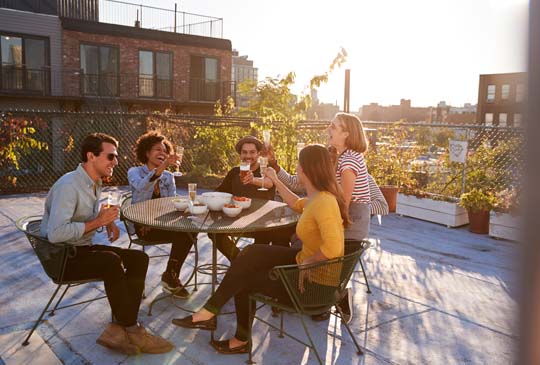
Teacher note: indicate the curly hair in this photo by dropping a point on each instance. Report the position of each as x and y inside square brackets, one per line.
[147, 141]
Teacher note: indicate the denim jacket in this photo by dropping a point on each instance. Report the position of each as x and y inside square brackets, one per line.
[142, 188]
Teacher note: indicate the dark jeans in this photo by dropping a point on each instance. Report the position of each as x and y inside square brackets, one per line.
[124, 288]
[249, 274]
[278, 237]
[181, 244]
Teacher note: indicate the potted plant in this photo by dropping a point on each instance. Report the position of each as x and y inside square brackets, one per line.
[504, 221]
[478, 204]
[388, 163]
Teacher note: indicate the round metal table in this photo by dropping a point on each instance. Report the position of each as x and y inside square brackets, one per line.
[263, 215]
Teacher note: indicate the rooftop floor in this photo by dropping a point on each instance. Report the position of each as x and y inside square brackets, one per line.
[439, 296]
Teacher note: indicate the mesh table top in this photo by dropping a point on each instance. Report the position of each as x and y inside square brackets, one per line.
[261, 216]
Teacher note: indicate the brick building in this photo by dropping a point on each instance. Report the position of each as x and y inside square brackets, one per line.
[501, 99]
[58, 56]
[392, 113]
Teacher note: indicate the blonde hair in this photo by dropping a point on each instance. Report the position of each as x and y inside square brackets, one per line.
[356, 140]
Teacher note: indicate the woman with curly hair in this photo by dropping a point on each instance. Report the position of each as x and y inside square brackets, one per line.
[151, 180]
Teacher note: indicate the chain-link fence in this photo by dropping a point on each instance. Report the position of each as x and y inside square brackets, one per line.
[36, 148]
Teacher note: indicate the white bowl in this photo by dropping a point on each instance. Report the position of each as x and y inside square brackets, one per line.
[232, 212]
[243, 203]
[216, 200]
[197, 208]
[180, 203]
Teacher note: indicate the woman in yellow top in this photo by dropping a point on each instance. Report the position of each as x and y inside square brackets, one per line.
[321, 229]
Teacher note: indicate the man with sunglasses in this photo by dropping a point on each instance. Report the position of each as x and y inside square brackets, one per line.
[72, 215]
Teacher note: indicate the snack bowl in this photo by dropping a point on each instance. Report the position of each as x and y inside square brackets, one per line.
[180, 203]
[232, 210]
[216, 200]
[242, 201]
[197, 208]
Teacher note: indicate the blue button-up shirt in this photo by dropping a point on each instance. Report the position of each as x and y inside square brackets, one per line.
[72, 201]
[142, 185]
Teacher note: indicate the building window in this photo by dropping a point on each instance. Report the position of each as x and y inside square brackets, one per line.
[517, 120]
[24, 63]
[505, 91]
[155, 74]
[491, 93]
[520, 93]
[204, 82]
[503, 119]
[99, 65]
[488, 119]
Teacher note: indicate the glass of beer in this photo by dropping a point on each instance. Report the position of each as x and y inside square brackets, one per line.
[263, 163]
[192, 192]
[244, 169]
[113, 197]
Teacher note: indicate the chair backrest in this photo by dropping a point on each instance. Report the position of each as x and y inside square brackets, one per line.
[326, 279]
[52, 256]
[130, 228]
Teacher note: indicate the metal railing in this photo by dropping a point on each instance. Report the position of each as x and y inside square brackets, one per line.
[142, 16]
[48, 81]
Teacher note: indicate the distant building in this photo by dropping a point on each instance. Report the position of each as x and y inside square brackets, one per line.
[242, 70]
[318, 110]
[501, 99]
[60, 55]
[446, 114]
[392, 113]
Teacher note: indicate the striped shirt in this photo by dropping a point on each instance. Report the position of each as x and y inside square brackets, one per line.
[352, 160]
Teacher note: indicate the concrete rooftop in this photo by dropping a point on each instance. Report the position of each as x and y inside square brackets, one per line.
[439, 296]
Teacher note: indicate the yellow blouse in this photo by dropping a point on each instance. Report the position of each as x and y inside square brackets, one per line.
[320, 226]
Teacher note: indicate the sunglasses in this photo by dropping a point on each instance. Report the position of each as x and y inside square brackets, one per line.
[111, 156]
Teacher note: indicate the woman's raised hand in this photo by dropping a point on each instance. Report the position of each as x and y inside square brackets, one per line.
[271, 174]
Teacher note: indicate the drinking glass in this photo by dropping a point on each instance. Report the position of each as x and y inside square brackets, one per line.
[299, 147]
[263, 163]
[113, 196]
[192, 192]
[244, 169]
[179, 150]
[266, 136]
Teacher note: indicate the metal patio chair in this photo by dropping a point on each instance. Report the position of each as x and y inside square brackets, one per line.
[53, 258]
[316, 297]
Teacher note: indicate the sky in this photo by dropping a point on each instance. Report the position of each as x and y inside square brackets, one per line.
[424, 50]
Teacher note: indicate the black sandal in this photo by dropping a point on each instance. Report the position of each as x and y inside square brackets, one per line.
[223, 348]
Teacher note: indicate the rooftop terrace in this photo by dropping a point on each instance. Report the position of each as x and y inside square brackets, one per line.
[439, 296]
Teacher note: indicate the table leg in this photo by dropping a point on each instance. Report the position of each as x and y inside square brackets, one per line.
[214, 272]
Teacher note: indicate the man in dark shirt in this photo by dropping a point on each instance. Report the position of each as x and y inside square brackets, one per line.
[249, 148]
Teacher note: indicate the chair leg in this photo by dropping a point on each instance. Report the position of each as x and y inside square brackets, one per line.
[365, 277]
[359, 352]
[281, 325]
[310, 340]
[251, 312]
[59, 300]
[25, 342]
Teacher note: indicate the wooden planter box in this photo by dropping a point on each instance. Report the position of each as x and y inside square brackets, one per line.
[449, 214]
[504, 225]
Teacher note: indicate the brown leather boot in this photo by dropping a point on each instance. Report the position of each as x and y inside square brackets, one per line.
[115, 338]
[148, 343]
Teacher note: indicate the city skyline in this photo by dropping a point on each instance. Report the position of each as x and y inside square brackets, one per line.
[425, 51]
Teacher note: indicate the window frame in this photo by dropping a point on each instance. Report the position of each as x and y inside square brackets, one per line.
[488, 100]
[99, 46]
[46, 56]
[505, 120]
[195, 89]
[507, 97]
[485, 120]
[154, 73]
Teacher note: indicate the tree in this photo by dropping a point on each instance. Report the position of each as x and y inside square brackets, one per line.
[16, 140]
